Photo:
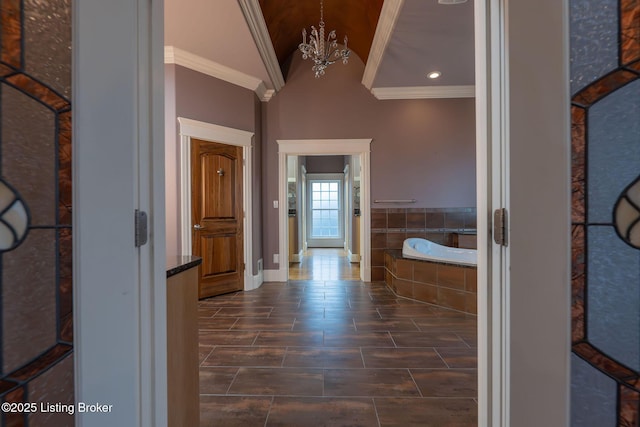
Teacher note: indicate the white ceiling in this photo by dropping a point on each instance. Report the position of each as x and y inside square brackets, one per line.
[213, 36]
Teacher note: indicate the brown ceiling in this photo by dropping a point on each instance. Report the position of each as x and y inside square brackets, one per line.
[355, 18]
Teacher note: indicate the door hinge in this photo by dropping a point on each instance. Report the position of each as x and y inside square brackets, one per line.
[141, 231]
[501, 227]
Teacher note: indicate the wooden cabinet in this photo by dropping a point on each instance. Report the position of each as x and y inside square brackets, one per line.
[182, 349]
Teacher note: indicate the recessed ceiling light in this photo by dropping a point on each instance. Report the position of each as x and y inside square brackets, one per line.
[451, 1]
[434, 74]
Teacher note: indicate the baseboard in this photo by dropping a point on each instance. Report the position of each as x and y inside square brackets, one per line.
[296, 257]
[366, 273]
[353, 257]
[275, 275]
[254, 282]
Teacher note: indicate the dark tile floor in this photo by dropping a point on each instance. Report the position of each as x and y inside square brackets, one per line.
[334, 353]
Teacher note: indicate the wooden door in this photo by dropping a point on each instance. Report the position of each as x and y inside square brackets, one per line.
[217, 217]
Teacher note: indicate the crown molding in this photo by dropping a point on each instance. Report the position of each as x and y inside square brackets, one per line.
[387, 21]
[260, 32]
[424, 92]
[174, 55]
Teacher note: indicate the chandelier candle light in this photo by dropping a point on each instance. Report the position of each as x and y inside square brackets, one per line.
[323, 53]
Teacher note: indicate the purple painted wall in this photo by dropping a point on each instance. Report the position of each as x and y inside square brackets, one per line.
[325, 164]
[200, 97]
[421, 149]
[172, 163]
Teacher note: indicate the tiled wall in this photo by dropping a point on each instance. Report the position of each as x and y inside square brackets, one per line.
[605, 282]
[444, 285]
[36, 360]
[391, 226]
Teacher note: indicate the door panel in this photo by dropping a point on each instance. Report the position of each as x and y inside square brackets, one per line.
[221, 249]
[216, 166]
[217, 216]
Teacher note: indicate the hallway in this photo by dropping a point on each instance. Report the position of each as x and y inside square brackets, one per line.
[334, 353]
[324, 264]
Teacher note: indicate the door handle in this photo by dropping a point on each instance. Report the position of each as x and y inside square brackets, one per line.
[197, 227]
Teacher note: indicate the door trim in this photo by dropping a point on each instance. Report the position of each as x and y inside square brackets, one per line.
[323, 147]
[491, 175]
[221, 134]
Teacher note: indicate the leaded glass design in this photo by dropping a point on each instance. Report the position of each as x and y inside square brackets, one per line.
[36, 334]
[14, 218]
[605, 278]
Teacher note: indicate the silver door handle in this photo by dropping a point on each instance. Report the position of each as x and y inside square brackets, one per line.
[197, 227]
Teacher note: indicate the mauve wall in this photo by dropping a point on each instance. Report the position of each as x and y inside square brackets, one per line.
[207, 99]
[325, 164]
[421, 149]
[172, 163]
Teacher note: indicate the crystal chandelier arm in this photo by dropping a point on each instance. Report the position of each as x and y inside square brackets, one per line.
[323, 52]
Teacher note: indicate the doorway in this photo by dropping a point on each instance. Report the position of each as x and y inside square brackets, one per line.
[193, 129]
[359, 152]
[321, 217]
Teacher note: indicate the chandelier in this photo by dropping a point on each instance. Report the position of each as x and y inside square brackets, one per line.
[322, 53]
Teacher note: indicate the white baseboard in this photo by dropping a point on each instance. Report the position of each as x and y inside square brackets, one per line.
[275, 275]
[254, 282]
[296, 257]
[353, 257]
[365, 273]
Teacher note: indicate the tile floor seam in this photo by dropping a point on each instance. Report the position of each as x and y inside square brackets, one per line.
[232, 381]
[414, 382]
[206, 357]
[266, 419]
[440, 356]
[253, 343]
[375, 408]
[392, 340]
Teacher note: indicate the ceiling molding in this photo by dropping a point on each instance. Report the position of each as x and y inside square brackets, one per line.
[258, 27]
[386, 23]
[424, 92]
[263, 93]
[174, 55]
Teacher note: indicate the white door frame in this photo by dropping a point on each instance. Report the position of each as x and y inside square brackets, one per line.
[120, 294]
[224, 135]
[119, 291]
[523, 165]
[324, 147]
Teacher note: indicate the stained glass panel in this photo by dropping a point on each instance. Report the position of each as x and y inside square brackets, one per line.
[594, 40]
[593, 396]
[614, 150]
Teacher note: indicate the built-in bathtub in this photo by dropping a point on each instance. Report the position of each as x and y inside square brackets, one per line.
[433, 273]
[424, 249]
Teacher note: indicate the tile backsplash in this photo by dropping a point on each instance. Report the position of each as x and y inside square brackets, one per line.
[391, 226]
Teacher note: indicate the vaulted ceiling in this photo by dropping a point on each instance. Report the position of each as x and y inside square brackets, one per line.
[285, 20]
[250, 42]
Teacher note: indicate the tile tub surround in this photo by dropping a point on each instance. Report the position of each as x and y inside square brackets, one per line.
[391, 226]
[445, 285]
